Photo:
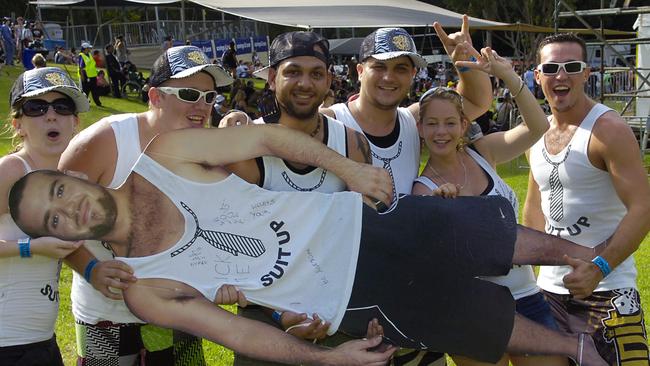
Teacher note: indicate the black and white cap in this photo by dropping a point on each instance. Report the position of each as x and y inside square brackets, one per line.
[390, 43]
[184, 61]
[39, 81]
[294, 44]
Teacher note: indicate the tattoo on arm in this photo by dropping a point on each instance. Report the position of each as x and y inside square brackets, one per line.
[364, 147]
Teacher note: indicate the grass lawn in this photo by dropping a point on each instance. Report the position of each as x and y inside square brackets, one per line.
[514, 175]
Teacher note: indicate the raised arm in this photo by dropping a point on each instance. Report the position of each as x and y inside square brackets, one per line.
[474, 86]
[504, 146]
[217, 147]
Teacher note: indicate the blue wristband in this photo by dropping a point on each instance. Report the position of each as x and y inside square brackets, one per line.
[89, 269]
[602, 264]
[277, 317]
[23, 247]
[465, 68]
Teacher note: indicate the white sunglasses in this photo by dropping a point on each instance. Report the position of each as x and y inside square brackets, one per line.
[190, 95]
[570, 67]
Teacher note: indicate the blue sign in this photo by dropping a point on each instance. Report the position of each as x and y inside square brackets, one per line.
[243, 46]
[261, 44]
[51, 44]
[222, 46]
[205, 46]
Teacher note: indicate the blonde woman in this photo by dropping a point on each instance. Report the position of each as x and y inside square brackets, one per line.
[454, 169]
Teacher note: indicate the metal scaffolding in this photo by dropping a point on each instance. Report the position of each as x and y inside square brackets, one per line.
[641, 123]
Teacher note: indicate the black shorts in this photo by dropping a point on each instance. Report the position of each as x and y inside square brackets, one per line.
[45, 353]
[417, 271]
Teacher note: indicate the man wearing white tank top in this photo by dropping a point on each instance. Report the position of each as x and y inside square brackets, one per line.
[586, 185]
[181, 96]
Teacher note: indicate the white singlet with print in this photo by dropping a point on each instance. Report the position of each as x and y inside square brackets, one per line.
[274, 246]
[402, 159]
[29, 291]
[280, 177]
[88, 304]
[521, 279]
[579, 203]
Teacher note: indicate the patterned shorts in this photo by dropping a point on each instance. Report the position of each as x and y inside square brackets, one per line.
[614, 319]
[111, 344]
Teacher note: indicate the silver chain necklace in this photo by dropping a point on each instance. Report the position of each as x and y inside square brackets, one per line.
[435, 172]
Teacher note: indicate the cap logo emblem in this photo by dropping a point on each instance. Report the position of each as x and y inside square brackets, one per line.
[54, 78]
[196, 57]
[401, 42]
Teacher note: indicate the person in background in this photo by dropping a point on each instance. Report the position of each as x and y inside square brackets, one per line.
[99, 60]
[39, 61]
[115, 72]
[88, 73]
[8, 41]
[122, 52]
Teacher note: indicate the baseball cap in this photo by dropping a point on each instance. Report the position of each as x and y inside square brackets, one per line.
[85, 45]
[39, 81]
[389, 43]
[294, 44]
[184, 61]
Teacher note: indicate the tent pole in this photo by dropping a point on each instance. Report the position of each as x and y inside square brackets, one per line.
[160, 37]
[99, 23]
[183, 36]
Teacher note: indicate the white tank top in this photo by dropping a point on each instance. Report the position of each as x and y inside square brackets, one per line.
[280, 177]
[521, 279]
[402, 159]
[272, 245]
[29, 291]
[579, 203]
[88, 304]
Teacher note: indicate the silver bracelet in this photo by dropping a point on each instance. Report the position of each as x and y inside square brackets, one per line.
[521, 87]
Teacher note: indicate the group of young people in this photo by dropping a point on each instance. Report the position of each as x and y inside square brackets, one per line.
[290, 235]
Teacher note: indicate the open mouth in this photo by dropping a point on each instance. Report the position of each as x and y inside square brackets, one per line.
[53, 134]
[561, 90]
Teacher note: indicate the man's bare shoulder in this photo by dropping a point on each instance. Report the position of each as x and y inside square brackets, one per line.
[91, 151]
[610, 128]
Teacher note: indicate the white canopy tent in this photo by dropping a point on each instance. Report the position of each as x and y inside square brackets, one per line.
[325, 14]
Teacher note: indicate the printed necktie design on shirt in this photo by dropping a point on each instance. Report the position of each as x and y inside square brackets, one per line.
[386, 165]
[231, 243]
[557, 191]
[300, 189]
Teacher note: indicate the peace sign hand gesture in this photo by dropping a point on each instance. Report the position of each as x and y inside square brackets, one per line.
[489, 62]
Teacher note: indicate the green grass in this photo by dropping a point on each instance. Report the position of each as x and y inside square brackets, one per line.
[217, 355]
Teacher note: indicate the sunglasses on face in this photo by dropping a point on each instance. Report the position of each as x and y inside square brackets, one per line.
[38, 107]
[190, 95]
[571, 67]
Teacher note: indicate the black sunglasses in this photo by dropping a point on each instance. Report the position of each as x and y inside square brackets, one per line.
[38, 107]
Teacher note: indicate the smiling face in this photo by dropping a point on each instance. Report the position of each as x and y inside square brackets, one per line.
[300, 85]
[385, 83]
[563, 91]
[180, 114]
[48, 134]
[441, 127]
[54, 204]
